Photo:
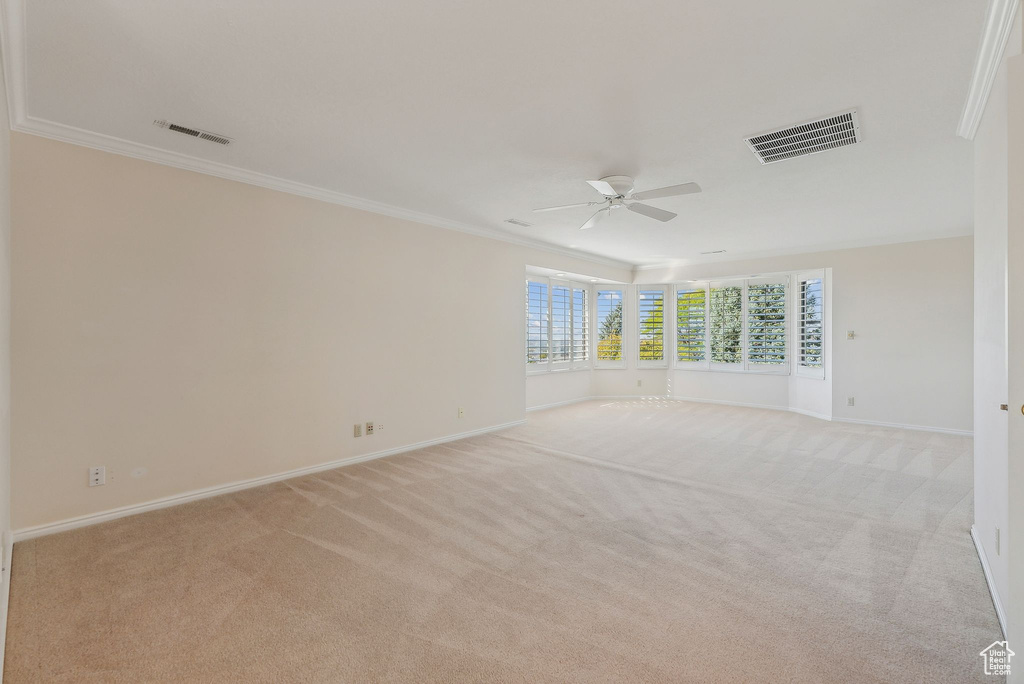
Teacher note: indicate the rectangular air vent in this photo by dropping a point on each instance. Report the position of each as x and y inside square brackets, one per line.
[517, 222]
[194, 132]
[806, 138]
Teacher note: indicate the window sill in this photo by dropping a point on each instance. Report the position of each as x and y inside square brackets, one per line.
[737, 371]
[549, 371]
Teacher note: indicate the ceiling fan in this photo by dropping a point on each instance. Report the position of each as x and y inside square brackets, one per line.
[618, 194]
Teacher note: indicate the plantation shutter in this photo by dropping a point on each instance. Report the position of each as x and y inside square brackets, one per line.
[580, 326]
[536, 322]
[561, 323]
[766, 323]
[609, 327]
[651, 325]
[811, 341]
[725, 319]
[691, 324]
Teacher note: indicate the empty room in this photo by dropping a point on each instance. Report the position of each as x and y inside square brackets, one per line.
[512, 342]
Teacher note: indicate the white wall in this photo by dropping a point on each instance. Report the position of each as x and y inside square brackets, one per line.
[187, 331]
[558, 387]
[910, 306]
[991, 194]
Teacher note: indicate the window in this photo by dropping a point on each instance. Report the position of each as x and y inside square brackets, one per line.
[609, 327]
[766, 323]
[735, 325]
[811, 337]
[557, 325]
[580, 326]
[725, 316]
[651, 326]
[536, 322]
[691, 309]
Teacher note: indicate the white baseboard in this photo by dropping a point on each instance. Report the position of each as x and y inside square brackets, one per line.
[904, 426]
[5, 593]
[1000, 613]
[743, 404]
[558, 403]
[600, 397]
[196, 494]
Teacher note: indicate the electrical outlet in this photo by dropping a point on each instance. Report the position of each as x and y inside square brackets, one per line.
[462, 412]
[849, 401]
[97, 476]
[369, 427]
[357, 430]
[639, 383]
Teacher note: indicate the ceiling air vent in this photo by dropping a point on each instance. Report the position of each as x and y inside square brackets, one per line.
[806, 138]
[194, 132]
[517, 222]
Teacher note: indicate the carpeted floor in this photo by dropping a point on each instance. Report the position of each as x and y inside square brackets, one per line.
[606, 541]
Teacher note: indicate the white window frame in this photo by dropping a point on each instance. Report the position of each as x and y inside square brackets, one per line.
[768, 368]
[745, 366]
[552, 366]
[691, 286]
[663, 362]
[623, 291]
[720, 366]
[798, 280]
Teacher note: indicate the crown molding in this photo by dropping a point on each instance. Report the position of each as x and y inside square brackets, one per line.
[12, 48]
[811, 249]
[994, 36]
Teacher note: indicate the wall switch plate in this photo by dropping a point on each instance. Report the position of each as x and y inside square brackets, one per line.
[850, 401]
[639, 383]
[97, 476]
[357, 430]
[462, 412]
[369, 427]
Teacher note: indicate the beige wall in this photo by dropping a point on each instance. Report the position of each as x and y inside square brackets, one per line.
[911, 306]
[187, 331]
[5, 356]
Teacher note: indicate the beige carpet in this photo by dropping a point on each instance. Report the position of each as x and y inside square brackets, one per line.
[606, 541]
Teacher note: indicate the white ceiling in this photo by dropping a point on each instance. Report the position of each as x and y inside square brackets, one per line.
[480, 111]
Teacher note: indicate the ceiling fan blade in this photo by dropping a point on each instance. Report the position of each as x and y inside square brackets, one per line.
[652, 212]
[601, 213]
[603, 187]
[670, 191]
[569, 206]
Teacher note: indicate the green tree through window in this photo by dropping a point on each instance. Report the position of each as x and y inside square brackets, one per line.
[609, 335]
